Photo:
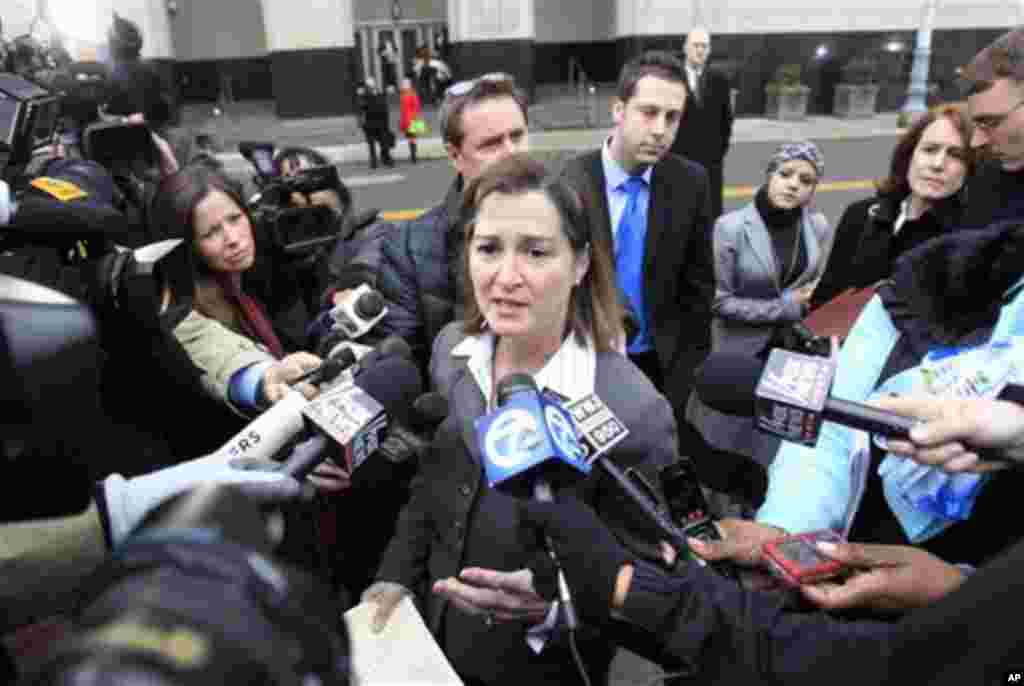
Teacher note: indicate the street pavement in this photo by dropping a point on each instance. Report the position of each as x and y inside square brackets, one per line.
[559, 120]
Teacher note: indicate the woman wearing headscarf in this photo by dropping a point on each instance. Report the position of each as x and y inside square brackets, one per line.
[768, 255]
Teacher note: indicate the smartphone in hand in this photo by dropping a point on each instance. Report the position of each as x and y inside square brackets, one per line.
[796, 560]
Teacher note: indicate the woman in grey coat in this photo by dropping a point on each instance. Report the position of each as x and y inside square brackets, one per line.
[768, 256]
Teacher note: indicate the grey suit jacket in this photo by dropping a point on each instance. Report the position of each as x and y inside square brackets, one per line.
[749, 299]
[749, 302]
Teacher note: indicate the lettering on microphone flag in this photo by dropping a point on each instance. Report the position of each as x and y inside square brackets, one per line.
[791, 394]
[598, 429]
[351, 417]
[524, 433]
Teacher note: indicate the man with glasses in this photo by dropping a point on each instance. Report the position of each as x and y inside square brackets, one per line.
[996, 100]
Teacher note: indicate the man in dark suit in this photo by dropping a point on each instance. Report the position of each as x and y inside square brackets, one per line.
[706, 129]
[653, 210]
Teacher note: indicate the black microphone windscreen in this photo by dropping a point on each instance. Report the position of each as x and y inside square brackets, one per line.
[727, 382]
[395, 383]
[394, 345]
[511, 384]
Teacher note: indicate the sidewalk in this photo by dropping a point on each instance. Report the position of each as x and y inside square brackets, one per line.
[559, 120]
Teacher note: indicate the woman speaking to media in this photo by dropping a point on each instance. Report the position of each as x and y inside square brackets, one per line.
[541, 300]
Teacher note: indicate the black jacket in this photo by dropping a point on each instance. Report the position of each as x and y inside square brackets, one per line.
[420, 275]
[706, 127]
[865, 249]
[135, 86]
[993, 195]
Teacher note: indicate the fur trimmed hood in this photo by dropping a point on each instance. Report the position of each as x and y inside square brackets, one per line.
[954, 285]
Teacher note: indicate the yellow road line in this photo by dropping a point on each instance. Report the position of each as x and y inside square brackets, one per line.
[733, 192]
[730, 193]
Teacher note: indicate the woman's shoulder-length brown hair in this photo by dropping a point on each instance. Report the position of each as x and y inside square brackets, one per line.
[896, 182]
[595, 308]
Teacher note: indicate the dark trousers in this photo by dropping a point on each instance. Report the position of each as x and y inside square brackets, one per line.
[378, 138]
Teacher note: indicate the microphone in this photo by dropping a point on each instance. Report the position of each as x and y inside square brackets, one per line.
[358, 312]
[531, 440]
[405, 444]
[357, 416]
[789, 396]
[430, 409]
[328, 370]
[266, 435]
[528, 440]
[263, 437]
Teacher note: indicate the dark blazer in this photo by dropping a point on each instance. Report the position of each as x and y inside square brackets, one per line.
[454, 520]
[865, 249]
[706, 127]
[679, 278]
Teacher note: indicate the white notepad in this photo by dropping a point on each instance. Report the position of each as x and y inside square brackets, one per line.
[404, 653]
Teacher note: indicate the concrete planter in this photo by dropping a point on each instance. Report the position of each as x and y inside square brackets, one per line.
[854, 101]
[788, 104]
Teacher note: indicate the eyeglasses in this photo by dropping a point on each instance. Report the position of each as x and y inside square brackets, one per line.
[466, 87]
[991, 122]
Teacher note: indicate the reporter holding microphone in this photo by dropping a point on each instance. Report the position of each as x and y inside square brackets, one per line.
[940, 627]
[541, 300]
[247, 350]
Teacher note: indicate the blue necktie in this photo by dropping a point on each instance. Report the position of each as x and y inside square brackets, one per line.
[629, 258]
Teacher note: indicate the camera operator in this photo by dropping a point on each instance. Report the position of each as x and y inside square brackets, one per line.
[135, 86]
[292, 161]
[46, 337]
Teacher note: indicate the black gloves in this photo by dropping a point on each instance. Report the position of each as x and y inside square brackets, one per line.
[588, 552]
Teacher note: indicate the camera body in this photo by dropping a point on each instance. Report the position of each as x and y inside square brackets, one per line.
[196, 595]
[28, 119]
[299, 231]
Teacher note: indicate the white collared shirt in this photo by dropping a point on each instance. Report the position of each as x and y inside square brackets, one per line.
[693, 77]
[903, 216]
[571, 371]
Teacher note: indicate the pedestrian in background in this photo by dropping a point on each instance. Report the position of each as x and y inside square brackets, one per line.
[706, 129]
[374, 120]
[412, 123]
